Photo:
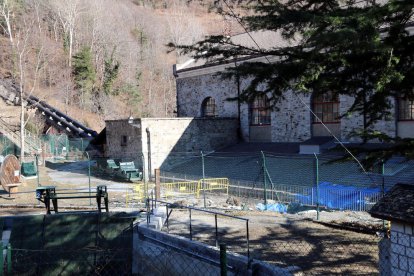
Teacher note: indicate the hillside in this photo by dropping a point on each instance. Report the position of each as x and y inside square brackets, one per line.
[102, 59]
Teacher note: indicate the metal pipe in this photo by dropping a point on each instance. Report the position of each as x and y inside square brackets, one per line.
[317, 185]
[204, 210]
[264, 179]
[215, 219]
[37, 170]
[149, 151]
[89, 177]
[191, 228]
[248, 242]
[204, 186]
[168, 216]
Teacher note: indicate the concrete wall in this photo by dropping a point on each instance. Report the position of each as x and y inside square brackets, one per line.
[402, 249]
[158, 253]
[406, 129]
[167, 136]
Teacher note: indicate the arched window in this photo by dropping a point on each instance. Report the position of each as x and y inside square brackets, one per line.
[326, 107]
[208, 107]
[260, 111]
[405, 110]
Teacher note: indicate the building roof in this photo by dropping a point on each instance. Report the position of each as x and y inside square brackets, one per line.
[265, 39]
[396, 205]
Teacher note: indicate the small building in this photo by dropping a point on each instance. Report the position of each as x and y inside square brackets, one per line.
[397, 254]
[156, 141]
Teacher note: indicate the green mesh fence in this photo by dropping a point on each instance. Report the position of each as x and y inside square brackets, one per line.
[61, 145]
[6, 146]
[303, 179]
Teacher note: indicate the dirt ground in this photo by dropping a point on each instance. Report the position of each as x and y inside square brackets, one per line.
[282, 239]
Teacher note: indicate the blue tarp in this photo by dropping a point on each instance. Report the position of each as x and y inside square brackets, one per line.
[336, 196]
[276, 207]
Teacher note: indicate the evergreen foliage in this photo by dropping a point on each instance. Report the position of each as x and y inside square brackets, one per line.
[83, 70]
[111, 69]
[357, 48]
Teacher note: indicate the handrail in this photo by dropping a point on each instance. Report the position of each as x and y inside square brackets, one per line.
[216, 214]
[14, 137]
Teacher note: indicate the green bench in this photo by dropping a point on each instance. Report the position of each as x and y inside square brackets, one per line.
[128, 171]
[28, 169]
[112, 165]
[46, 194]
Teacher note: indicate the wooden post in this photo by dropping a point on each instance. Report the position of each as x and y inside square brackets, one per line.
[157, 184]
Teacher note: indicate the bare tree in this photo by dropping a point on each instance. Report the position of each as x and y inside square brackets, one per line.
[184, 27]
[7, 9]
[67, 12]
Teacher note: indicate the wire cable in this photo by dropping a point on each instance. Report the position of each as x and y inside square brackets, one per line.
[300, 99]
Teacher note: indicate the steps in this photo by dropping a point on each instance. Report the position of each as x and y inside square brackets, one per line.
[32, 144]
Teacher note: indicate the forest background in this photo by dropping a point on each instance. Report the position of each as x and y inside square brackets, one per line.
[102, 59]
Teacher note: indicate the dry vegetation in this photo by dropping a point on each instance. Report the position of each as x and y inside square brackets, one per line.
[45, 35]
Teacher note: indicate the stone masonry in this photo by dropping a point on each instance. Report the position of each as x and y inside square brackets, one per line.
[291, 121]
[161, 139]
[402, 249]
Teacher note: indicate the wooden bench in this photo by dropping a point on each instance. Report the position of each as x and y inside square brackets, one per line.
[129, 172]
[46, 194]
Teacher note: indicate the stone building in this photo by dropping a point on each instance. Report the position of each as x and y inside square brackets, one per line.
[397, 253]
[153, 142]
[202, 93]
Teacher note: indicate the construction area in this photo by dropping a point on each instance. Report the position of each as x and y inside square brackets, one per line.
[289, 235]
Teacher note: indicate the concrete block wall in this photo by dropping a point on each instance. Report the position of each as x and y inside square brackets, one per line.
[402, 249]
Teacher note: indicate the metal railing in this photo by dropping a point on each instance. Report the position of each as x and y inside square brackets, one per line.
[152, 204]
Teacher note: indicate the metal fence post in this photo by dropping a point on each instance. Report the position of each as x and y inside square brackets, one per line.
[264, 179]
[383, 188]
[144, 175]
[204, 188]
[215, 220]
[191, 227]
[317, 185]
[223, 259]
[89, 177]
[9, 260]
[1, 260]
[37, 170]
[248, 242]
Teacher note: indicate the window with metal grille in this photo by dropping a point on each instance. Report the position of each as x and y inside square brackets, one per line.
[405, 110]
[326, 108]
[208, 107]
[260, 111]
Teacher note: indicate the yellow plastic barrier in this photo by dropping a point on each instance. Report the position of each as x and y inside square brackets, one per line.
[211, 184]
[136, 193]
[180, 188]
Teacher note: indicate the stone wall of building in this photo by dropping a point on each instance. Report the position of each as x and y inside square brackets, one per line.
[291, 122]
[163, 141]
[354, 121]
[402, 249]
[116, 147]
[194, 89]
